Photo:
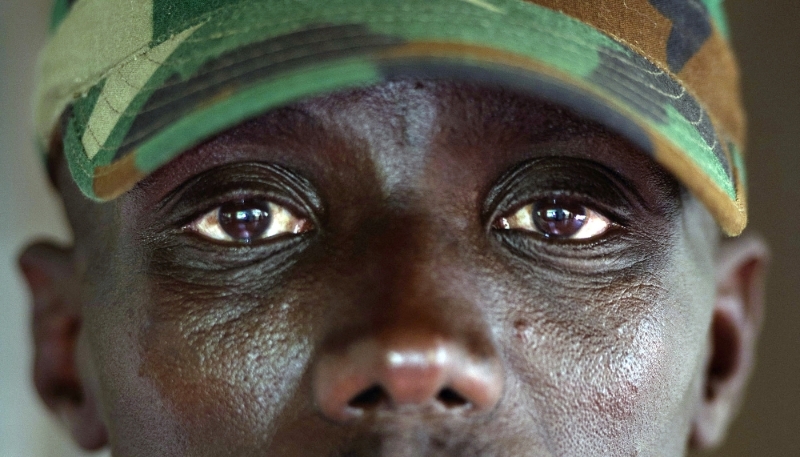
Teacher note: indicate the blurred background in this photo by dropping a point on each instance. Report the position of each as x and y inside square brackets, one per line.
[767, 38]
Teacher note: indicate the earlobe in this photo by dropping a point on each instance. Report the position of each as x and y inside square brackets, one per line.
[741, 264]
[51, 277]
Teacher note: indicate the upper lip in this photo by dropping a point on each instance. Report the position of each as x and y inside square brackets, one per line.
[421, 439]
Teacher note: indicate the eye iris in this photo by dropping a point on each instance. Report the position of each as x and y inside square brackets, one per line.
[558, 219]
[244, 220]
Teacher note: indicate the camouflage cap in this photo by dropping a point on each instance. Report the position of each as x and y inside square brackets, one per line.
[133, 83]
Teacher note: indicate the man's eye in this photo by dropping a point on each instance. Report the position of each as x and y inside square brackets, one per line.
[556, 219]
[246, 221]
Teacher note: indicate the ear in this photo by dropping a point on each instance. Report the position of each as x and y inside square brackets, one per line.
[741, 264]
[54, 286]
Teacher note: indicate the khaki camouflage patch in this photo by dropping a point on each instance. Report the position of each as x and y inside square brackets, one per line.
[137, 82]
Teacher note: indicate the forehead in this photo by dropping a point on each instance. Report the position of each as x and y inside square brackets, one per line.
[405, 130]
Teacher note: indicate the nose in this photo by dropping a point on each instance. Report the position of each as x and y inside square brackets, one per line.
[406, 371]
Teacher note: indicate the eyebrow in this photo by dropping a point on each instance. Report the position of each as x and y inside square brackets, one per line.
[288, 123]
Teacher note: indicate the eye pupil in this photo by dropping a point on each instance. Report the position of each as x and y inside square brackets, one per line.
[558, 219]
[245, 219]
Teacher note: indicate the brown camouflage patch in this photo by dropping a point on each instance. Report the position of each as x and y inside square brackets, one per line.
[113, 180]
[712, 76]
[730, 214]
[622, 20]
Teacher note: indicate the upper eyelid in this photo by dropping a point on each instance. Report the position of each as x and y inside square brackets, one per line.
[251, 179]
[512, 190]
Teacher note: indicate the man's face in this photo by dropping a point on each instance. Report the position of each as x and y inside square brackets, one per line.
[417, 268]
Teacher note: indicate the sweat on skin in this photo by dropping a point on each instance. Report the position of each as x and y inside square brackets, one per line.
[417, 228]
[419, 267]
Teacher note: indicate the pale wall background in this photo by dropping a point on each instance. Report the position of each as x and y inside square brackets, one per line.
[27, 210]
[767, 35]
[769, 43]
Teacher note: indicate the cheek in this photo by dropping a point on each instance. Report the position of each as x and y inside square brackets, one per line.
[138, 419]
[227, 365]
[615, 368]
[204, 372]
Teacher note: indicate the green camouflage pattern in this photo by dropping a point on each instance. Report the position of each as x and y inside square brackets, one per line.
[189, 69]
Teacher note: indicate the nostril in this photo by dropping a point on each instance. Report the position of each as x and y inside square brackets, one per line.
[369, 398]
[405, 373]
[375, 396]
[450, 398]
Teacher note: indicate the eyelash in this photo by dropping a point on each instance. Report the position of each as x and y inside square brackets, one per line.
[547, 217]
[244, 214]
[279, 220]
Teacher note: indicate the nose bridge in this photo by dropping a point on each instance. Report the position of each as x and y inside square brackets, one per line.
[422, 341]
[417, 280]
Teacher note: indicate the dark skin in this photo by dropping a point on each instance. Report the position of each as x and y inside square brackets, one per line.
[419, 268]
